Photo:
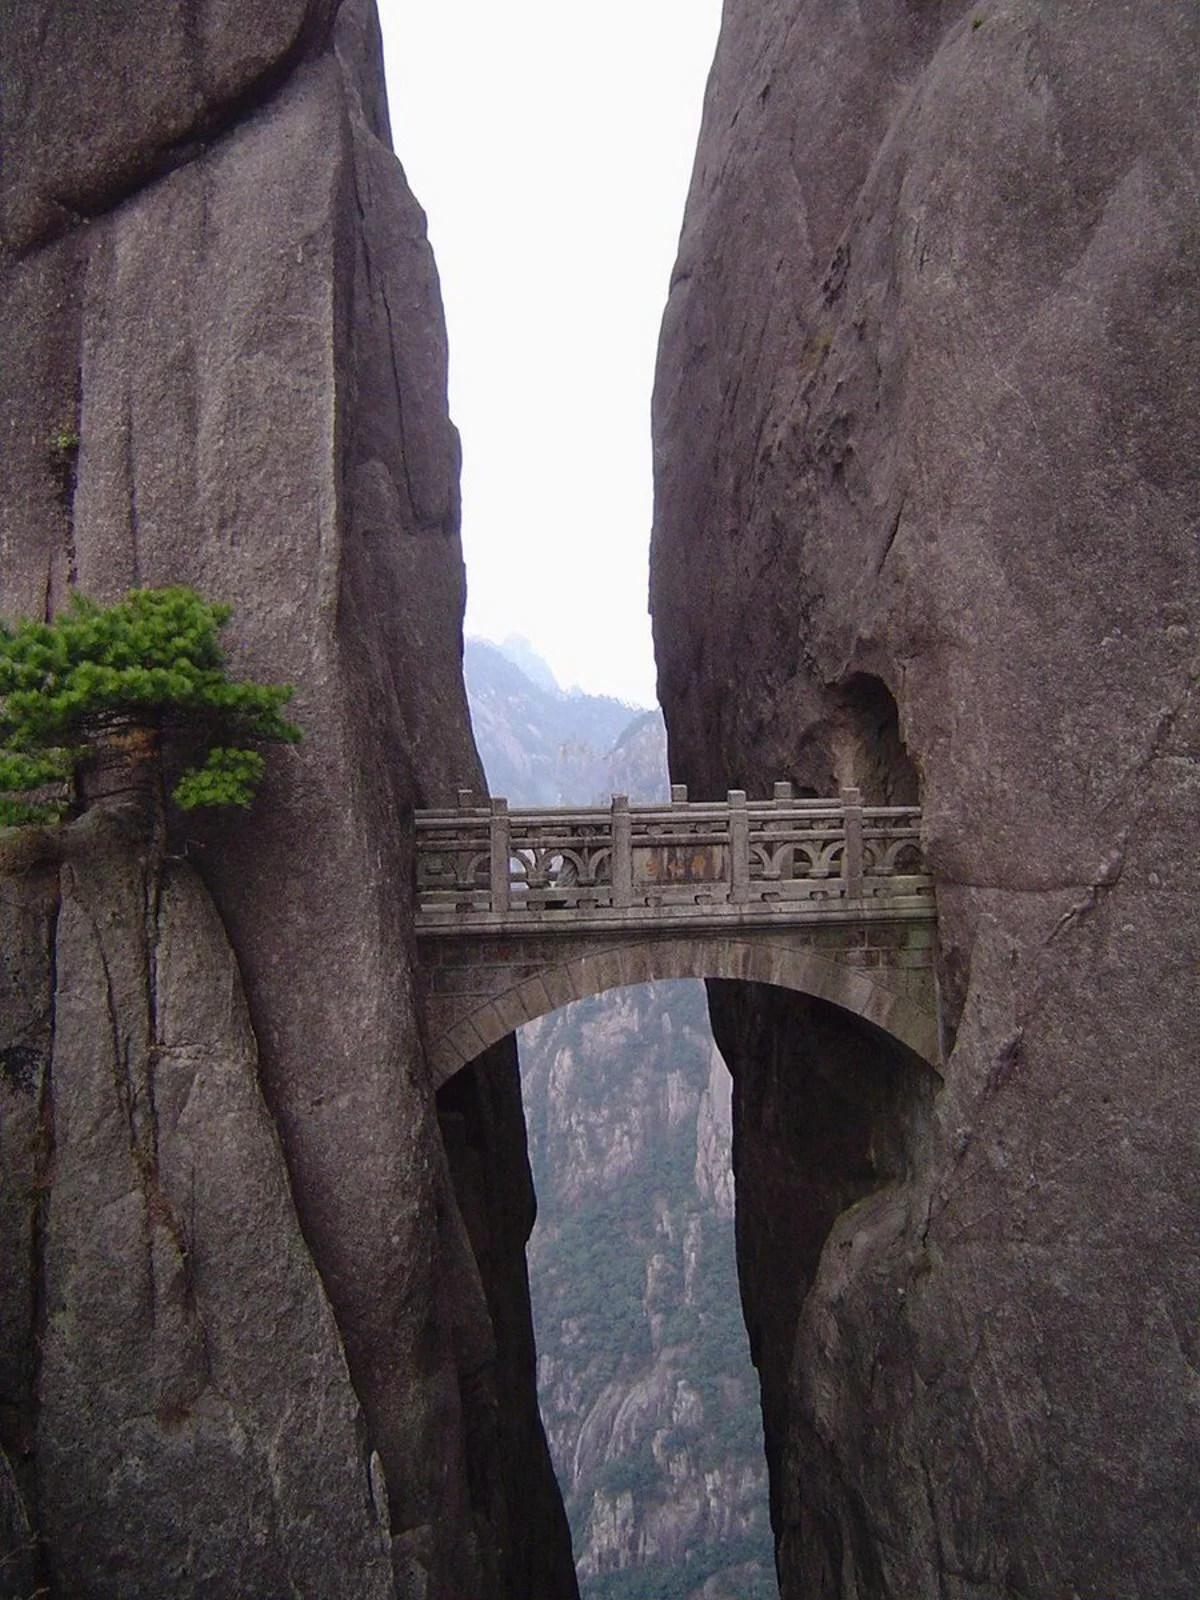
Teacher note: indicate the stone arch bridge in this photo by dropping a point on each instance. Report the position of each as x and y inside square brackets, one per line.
[520, 912]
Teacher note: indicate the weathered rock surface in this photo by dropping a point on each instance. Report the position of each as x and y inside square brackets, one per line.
[18, 1560]
[927, 429]
[114, 101]
[196, 1426]
[223, 363]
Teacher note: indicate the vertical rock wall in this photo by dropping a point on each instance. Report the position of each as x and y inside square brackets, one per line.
[196, 1430]
[223, 363]
[927, 433]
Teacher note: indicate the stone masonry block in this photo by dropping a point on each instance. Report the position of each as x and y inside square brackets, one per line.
[637, 963]
[467, 1040]
[510, 1010]
[558, 987]
[535, 998]
[489, 1023]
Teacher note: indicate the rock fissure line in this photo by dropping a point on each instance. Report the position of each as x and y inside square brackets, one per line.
[81, 210]
[399, 393]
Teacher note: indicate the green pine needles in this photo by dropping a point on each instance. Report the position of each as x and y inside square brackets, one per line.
[151, 664]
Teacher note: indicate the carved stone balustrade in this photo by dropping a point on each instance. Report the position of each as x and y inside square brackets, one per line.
[483, 865]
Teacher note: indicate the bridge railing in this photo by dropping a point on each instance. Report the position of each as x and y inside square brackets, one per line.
[530, 864]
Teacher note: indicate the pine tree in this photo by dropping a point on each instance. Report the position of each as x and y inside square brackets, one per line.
[153, 661]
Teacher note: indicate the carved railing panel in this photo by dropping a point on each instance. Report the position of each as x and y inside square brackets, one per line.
[553, 865]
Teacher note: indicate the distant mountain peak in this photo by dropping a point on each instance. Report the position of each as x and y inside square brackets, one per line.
[542, 747]
[517, 649]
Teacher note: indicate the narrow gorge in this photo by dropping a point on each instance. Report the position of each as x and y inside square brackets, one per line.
[644, 1375]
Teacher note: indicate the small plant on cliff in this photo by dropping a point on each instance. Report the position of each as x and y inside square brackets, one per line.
[64, 441]
[117, 678]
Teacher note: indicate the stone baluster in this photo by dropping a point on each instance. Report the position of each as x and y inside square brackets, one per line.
[466, 799]
[501, 855]
[784, 861]
[852, 854]
[679, 794]
[622, 851]
[739, 848]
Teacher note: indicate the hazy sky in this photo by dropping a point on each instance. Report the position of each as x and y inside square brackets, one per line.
[551, 146]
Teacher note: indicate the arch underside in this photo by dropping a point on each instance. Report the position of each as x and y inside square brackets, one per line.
[899, 998]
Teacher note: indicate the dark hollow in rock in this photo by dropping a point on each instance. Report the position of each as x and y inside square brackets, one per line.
[21, 1067]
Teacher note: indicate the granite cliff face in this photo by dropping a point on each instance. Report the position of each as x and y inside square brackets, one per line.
[254, 1340]
[177, 1399]
[927, 437]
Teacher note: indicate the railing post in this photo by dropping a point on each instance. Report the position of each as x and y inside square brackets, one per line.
[622, 851]
[679, 794]
[852, 854]
[466, 799]
[739, 848]
[783, 794]
[501, 854]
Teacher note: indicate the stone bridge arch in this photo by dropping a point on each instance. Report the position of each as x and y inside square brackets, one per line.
[478, 989]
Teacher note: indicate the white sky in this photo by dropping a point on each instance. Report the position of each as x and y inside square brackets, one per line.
[551, 146]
